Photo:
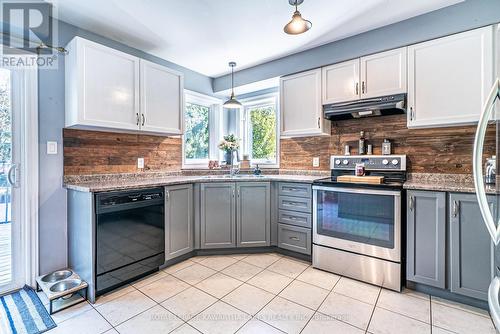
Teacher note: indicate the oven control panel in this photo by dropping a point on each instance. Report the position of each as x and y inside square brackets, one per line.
[371, 162]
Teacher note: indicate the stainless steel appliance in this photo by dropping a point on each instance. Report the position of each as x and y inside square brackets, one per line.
[377, 106]
[490, 216]
[130, 236]
[357, 227]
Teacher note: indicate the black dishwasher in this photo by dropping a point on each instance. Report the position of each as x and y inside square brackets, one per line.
[130, 236]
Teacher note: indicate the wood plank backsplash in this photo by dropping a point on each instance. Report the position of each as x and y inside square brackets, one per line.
[93, 152]
[437, 150]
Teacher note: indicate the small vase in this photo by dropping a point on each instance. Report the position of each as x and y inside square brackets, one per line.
[228, 156]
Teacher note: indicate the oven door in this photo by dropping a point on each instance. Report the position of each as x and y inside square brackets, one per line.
[358, 220]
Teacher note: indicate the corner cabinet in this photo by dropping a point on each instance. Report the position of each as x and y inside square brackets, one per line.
[179, 221]
[449, 78]
[300, 104]
[426, 238]
[107, 89]
[471, 248]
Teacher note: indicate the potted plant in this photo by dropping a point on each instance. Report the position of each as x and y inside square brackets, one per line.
[229, 145]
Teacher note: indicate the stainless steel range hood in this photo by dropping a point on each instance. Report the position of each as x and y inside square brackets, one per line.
[379, 106]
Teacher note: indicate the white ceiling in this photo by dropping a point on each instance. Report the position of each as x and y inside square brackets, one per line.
[204, 35]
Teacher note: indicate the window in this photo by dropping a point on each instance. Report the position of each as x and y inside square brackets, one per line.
[260, 130]
[201, 130]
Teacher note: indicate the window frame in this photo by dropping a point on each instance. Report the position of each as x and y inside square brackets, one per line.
[214, 128]
[248, 104]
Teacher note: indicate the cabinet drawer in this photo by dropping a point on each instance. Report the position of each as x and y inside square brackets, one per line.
[295, 218]
[295, 189]
[297, 239]
[295, 204]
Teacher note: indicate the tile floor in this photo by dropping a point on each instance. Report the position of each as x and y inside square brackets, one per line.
[264, 293]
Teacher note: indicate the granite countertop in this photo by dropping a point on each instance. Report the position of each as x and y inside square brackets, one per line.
[109, 182]
[444, 182]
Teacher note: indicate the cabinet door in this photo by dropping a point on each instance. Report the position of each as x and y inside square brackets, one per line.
[300, 103]
[471, 249]
[162, 94]
[426, 238]
[178, 220]
[217, 216]
[449, 78]
[383, 73]
[103, 86]
[341, 82]
[253, 214]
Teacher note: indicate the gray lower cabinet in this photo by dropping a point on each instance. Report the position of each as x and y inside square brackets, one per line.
[179, 222]
[426, 238]
[217, 215]
[253, 214]
[471, 249]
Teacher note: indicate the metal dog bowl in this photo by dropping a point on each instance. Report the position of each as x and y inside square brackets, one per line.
[57, 276]
[65, 285]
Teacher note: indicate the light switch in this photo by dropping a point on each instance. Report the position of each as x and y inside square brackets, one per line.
[140, 163]
[51, 147]
[316, 162]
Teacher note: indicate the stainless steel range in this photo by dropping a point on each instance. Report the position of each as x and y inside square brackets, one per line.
[357, 226]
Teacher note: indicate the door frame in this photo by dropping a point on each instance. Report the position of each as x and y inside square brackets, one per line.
[25, 134]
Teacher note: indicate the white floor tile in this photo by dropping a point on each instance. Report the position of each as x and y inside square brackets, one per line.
[69, 312]
[304, 294]
[218, 262]
[285, 315]
[188, 303]
[220, 318]
[156, 320]
[194, 274]
[89, 322]
[387, 322]
[323, 324]
[148, 279]
[178, 266]
[101, 300]
[459, 321]
[287, 267]
[242, 271]
[164, 288]
[270, 281]
[198, 258]
[346, 309]
[125, 307]
[185, 329]
[261, 260]
[405, 304]
[463, 307]
[248, 298]
[358, 290]
[219, 285]
[255, 326]
[319, 278]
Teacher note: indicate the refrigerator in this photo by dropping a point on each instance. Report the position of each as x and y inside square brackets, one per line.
[490, 115]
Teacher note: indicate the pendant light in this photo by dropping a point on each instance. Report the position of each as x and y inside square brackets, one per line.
[232, 103]
[297, 25]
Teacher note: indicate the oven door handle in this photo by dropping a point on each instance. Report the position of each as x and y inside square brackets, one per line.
[358, 191]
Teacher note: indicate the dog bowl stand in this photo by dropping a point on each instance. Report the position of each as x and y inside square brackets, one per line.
[80, 288]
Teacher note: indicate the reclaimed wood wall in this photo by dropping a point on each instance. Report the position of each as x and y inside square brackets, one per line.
[93, 152]
[437, 150]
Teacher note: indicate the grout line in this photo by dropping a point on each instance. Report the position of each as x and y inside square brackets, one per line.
[373, 311]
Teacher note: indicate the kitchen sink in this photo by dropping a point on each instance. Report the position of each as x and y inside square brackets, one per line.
[237, 176]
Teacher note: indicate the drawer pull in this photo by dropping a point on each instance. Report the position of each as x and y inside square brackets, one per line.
[293, 203]
[294, 238]
[294, 218]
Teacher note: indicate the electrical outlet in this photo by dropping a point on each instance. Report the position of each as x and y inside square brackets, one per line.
[140, 163]
[316, 162]
[51, 147]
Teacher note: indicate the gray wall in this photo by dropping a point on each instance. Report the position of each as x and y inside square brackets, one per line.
[460, 17]
[52, 213]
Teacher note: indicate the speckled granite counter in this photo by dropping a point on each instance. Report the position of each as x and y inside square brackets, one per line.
[109, 182]
[443, 182]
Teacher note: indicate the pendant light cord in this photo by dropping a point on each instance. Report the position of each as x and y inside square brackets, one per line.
[232, 81]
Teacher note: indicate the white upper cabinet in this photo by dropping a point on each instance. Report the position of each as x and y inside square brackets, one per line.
[341, 82]
[383, 73]
[449, 78]
[108, 89]
[162, 95]
[300, 104]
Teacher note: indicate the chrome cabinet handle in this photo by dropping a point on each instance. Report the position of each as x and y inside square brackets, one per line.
[137, 118]
[319, 122]
[412, 204]
[362, 87]
[493, 301]
[143, 119]
[477, 162]
[294, 238]
[167, 196]
[357, 88]
[456, 208]
[12, 176]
